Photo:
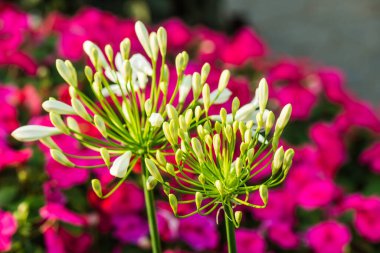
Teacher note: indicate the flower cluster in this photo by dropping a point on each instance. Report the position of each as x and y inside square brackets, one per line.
[329, 202]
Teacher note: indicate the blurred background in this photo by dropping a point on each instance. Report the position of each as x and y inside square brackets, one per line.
[345, 35]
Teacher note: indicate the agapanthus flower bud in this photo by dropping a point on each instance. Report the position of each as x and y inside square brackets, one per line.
[156, 119]
[196, 85]
[66, 72]
[89, 74]
[97, 187]
[109, 52]
[148, 107]
[48, 142]
[162, 40]
[197, 147]
[153, 170]
[170, 169]
[73, 124]
[57, 107]
[125, 47]
[201, 179]
[219, 187]
[277, 160]
[238, 216]
[173, 203]
[235, 106]
[184, 88]
[80, 109]
[120, 166]
[263, 94]
[106, 156]
[59, 157]
[198, 199]
[288, 157]
[204, 72]
[284, 117]
[57, 121]
[223, 80]
[143, 36]
[269, 122]
[151, 182]
[100, 125]
[238, 166]
[263, 190]
[206, 96]
[34, 132]
[172, 112]
[153, 45]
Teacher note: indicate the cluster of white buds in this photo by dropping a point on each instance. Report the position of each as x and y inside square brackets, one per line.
[130, 101]
[212, 168]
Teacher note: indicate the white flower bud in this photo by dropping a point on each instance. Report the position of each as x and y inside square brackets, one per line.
[57, 107]
[196, 85]
[151, 182]
[206, 96]
[216, 144]
[223, 80]
[284, 117]
[219, 187]
[198, 112]
[204, 72]
[80, 109]
[100, 125]
[160, 158]
[201, 179]
[269, 123]
[277, 160]
[198, 200]
[198, 150]
[156, 119]
[173, 203]
[34, 132]
[172, 112]
[170, 169]
[59, 157]
[162, 40]
[97, 187]
[48, 142]
[153, 46]
[95, 53]
[73, 124]
[184, 88]
[288, 157]
[143, 36]
[109, 52]
[120, 166]
[250, 155]
[238, 166]
[57, 121]
[263, 190]
[188, 117]
[125, 48]
[263, 94]
[65, 72]
[153, 170]
[89, 74]
[106, 156]
[148, 107]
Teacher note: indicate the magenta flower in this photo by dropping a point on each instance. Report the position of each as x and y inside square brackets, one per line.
[168, 225]
[245, 45]
[58, 240]
[317, 194]
[248, 241]
[328, 237]
[371, 157]
[130, 228]
[331, 151]
[8, 227]
[366, 215]
[199, 232]
[179, 35]
[211, 44]
[283, 235]
[53, 211]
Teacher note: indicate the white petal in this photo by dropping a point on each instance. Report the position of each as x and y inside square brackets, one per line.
[222, 98]
[88, 46]
[142, 80]
[115, 88]
[184, 88]
[34, 132]
[247, 112]
[119, 167]
[119, 62]
[111, 75]
[140, 64]
[156, 119]
[57, 107]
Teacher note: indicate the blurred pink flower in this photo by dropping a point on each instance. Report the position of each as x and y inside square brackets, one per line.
[331, 151]
[371, 157]
[168, 225]
[130, 228]
[245, 45]
[366, 215]
[8, 227]
[328, 237]
[248, 241]
[59, 240]
[317, 194]
[199, 232]
[179, 35]
[210, 44]
[283, 235]
[53, 211]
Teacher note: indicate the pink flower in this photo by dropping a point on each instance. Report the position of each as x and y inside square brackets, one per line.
[130, 228]
[316, 194]
[331, 152]
[248, 241]
[371, 157]
[245, 45]
[328, 237]
[128, 199]
[59, 240]
[8, 227]
[210, 44]
[168, 225]
[333, 81]
[366, 215]
[283, 235]
[199, 232]
[179, 35]
[53, 211]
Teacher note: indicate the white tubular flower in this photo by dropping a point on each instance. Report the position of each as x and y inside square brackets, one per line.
[263, 94]
[57, 107]
[119, 167]
[34, 132]
[140, 64]
[89, 47]
[143, 36]
[184, 88]
[156, 119]
[221, 98]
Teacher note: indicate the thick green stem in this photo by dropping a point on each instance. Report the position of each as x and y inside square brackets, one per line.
[230, 234]
[151, 211]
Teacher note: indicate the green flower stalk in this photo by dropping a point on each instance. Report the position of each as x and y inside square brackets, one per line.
[127, 114]
[214, 169]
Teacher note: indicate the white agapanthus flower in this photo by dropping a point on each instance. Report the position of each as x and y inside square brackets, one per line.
[120, 166]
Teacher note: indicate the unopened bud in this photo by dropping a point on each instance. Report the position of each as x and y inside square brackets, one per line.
[57, 121]
[198, 200]
[284, 117]
[263, 94]
[204, 72]
[162, 40]
[223, 115]
[48, 142]
[143, 36]
[100, 125]
[235, 106]
[148, 107]
[151, 182]
[223, 80]
[263, 190]
[153, 170]
[106, 156]
[201, 179]
[172, 112]
[170, 169]
[238, 217]
[97, 187]
[238, 166]
[173, 203]
[196, 85]
[269, 123]
[109, 52]
[160, 158]
[198, 150]
[59, 157]
[198, 112]
[219, 187]
[206, 96]
[250, 155]
[288, 157]
[154, 46]
[125, 48]
[80, 109]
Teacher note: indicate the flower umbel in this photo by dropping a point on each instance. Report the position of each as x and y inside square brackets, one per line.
[218, 165]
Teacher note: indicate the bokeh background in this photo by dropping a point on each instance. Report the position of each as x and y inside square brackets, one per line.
[322, 56]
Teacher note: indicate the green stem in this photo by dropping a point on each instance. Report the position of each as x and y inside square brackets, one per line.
[151, 211]
[230, 234]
